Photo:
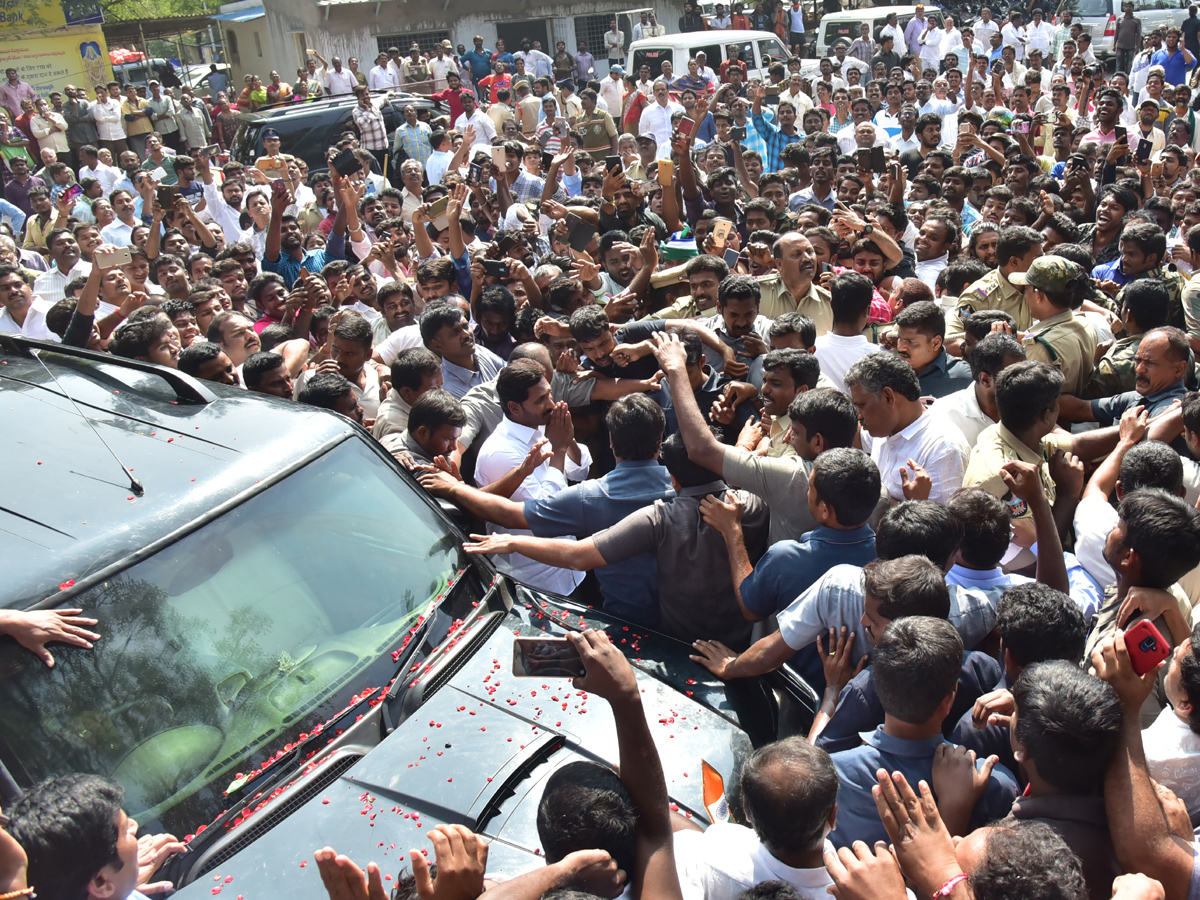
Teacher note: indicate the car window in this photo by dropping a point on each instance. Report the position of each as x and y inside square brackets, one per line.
[771, 47]
[652, 57]
[746, 48]
[225, 646]
[1089, 8]
[845, 28]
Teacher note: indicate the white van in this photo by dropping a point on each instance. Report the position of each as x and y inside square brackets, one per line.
[845, 25]
[758, 50]
[1099, 17]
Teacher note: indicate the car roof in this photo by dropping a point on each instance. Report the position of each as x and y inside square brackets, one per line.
[877, 12]
[379, 99]
[702, 39]
[69, 512]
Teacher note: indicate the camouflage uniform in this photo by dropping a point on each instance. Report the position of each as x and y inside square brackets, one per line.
[1114, 374]
[992, 291]
[1182, 312]
[1061, 340]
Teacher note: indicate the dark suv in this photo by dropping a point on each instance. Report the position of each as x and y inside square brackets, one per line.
[307, 130]
[295, 649]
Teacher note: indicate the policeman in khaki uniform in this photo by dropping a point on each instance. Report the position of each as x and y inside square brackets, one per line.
[1054, 289]
[1016, 251]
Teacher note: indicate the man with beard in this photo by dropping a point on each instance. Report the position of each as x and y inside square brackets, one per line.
[936, 239]
[285, 255]
[266, 373]
[224, 205]
[921, 332]
[821, 191]
[777, 134]
[530, 414]
[929, 136]
[739, 324]
[233, 280]
[1021, 169]
[624, 208]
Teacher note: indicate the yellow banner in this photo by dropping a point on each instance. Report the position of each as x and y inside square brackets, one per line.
[78, 56]
[23, 15]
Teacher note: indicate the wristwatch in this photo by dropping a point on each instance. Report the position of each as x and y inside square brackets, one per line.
[868, 229]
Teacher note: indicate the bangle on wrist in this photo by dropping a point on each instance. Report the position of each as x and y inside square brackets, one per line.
[948, 888]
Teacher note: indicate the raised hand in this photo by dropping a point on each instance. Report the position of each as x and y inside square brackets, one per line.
[461, 863]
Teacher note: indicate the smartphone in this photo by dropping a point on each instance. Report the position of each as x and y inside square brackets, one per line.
[547, 161]
[1146, 645]
[1156, 170]
[496, 267]
[346, 163]
[108, 259]
[560, 126]
[614, 164]
[666, 172]
[737, 133]
[581, 236]
[499, 158]
[1143, 150]
[1020, 127]
[167, 193]
[437, 213]
[72, 192]
[720, 232]
[475, 174]
[686, 127]
[731, 258]
[825, 268]
[878, 161]
[964, 127]
[572, 221]
[1120, 132]
[545, 657]
[210, 151]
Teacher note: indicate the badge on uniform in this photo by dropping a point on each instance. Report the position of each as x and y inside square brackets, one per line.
[1016, 506]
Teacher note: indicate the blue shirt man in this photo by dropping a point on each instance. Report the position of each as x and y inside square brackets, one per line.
[630, 587]
[479, 60]
[1173, 64]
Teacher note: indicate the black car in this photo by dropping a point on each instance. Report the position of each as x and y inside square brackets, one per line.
[307, 130]
[295, 649]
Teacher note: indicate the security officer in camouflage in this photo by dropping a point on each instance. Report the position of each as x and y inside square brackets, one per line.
[1054, 289]
[1017, 249]
[1146, 305]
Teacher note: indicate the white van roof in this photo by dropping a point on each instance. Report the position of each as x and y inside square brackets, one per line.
[702, 39]
[876, 12]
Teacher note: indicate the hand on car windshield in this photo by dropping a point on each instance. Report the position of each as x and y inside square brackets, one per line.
[346, 881]
[153, 851]
[461, 863]
[35, 629]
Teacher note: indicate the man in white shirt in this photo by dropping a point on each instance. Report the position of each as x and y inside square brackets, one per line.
[973, 409]
[440, 65]
[338, 80]
[543, 65]
[726, 859]
[380, 77]
[656, 119]
[844, 344]
[439, 159]
[66, 264]
[485, 130]
[109, 123]
[120, 230]
[530, 414]
[1039, 34]
[931, 43]
[897, 429]
[720, 20]
[639, 27]
[614, 44]
[933, 248]
[20, 311]
[612, 90]
[90, 166]
[1013, 34]
[1173, 742]
[985, 27]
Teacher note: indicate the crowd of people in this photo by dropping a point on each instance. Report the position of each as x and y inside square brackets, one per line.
[887, 376]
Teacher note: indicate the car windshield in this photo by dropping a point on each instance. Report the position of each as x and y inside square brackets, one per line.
[224, 647]
[1088, 8]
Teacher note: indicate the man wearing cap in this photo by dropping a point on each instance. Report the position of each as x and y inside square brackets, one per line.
[1148, 111]
[274, 163]
[612, 89]
[441, 64]
[1054, 289]
[416, 70]
[639, 169]
[478, 60]
[338, 80]
[380, 77]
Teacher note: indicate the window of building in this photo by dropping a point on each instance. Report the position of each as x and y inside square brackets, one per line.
[426, 40]
[590, 30]
[257, 44]
[231, 45]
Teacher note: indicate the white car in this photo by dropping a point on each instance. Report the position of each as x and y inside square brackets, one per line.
[758, 50]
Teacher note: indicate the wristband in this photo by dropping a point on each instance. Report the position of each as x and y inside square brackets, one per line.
[946, 889]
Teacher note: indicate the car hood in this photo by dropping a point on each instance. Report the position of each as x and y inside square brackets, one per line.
[478, 752]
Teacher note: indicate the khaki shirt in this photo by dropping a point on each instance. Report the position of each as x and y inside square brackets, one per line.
[992, 291]
[778, 445]
[683, 308]
[996, 446]
[777, 300]
[1115, 374]
[1190, 303]
[1066, 343]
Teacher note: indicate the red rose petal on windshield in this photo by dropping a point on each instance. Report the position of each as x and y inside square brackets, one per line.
[70, 582]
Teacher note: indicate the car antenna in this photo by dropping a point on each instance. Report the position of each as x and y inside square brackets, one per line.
[134, 485]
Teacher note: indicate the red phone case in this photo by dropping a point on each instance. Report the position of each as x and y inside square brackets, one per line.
[1146, 645]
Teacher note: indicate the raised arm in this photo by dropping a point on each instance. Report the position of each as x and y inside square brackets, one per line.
[702, 446]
